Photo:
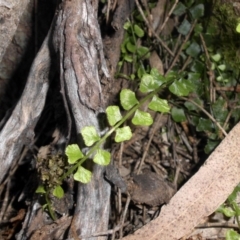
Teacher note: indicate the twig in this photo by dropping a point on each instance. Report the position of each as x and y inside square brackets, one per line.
[168, 16]
[218, 225]
[207, 113]
[109, 232]
[228, 117]
[211, 73]
[184, 138]
[177, 44]
[152, 30]
[181, 48]
[8, 184]
[149, 143]
[178, 169]
[179, 150]
[185, 64]
[120, 155]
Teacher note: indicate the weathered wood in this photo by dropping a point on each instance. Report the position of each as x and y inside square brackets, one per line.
[19, 129]
[16, 48]
[10, 14]
[78, 41]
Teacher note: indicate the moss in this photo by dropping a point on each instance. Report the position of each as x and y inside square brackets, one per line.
[224, 19]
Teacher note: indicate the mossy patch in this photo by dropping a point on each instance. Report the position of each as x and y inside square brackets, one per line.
[223, 21]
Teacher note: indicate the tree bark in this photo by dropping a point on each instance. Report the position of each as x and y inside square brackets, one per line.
[75, 39]
[19, 129]
[78, 42]
[10, 12]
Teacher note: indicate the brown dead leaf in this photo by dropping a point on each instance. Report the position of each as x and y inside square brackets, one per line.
[150, 188]
[200, 196]
[155, 62]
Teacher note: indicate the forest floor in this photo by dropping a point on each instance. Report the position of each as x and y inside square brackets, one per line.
[158, 159]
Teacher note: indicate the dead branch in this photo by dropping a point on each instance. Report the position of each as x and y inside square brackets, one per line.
[19, 129]
[10, 12]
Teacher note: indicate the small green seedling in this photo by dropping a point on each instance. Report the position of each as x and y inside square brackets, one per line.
[151, 84]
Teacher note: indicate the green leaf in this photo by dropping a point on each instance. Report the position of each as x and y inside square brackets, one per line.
[143, 52]
[44, 206]
[142, 118]
[191, 107]
[232, 197]
[189, 3]
[222, 78]
[138, 17]
[148, 84]
[138, 31]
[181, 88]
[210, 146]
[222, 67]
[197, 11]
[120, 63]
[216, 57]
[227, 211]
[113, 115]
[180, 9]
[40, 189]
[198, 29]
[127, 25]
[193, 50]
[178, 114]
[236, 208]
[172, 75]
[196, 84]
[58, 192]
[140, 72]
[123, 48]
[192, 76]
[128, 58]
[73, 153]
[131, 47]
[213, 66]
[220, 110]
[232, 235]
[160, 79]
[82, 175]
[204, 125]
[159, 105]
[102, 157]
[123, 134]
[128, 99]
[184, 27]
[197, 66]
[238, 28]
[90, 135]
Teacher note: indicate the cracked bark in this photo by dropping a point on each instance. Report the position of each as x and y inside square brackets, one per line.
[19, 129]
[10, 12]
[78, 42]
[75, 38]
